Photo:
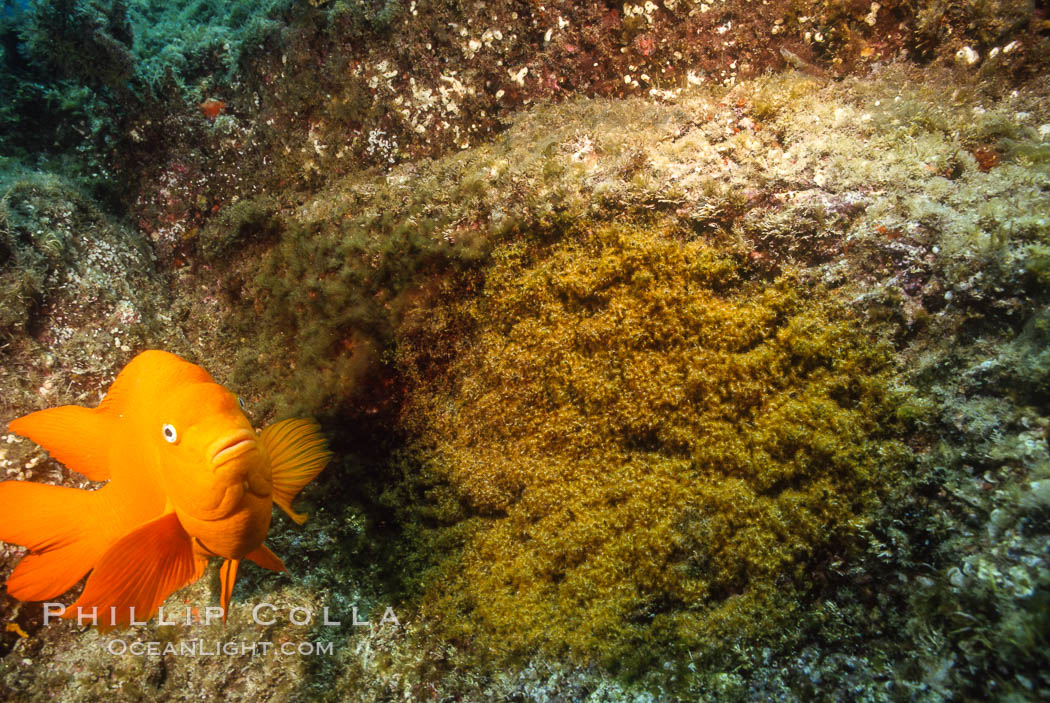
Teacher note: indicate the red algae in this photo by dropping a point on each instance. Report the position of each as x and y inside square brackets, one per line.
[212, 108]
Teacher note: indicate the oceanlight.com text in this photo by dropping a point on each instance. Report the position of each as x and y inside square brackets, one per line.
[205, 648]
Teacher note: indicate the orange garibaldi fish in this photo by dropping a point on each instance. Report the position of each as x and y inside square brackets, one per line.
[188, 479]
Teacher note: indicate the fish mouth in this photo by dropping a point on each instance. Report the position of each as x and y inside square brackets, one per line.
[232, 446]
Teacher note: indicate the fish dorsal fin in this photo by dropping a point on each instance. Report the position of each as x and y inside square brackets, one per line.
[139, 571]
[297, 452]
[227, 577]
[78, 437]
[266, 559]
[151, 370]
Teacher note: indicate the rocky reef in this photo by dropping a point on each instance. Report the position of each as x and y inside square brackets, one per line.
[677, 351]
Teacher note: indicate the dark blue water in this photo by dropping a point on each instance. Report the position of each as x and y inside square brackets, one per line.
[10, 8]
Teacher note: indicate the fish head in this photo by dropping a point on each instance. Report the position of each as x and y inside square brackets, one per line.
[213, 468]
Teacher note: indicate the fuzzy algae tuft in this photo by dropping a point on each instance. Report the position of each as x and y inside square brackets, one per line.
[657, 446]
[917, 202]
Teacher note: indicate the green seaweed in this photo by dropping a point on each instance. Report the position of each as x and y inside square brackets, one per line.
[246, 222]
[659, 448]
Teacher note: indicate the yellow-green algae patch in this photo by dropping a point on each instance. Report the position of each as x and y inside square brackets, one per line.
[661, 448]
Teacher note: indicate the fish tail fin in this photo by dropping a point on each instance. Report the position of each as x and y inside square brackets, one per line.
[59, 526]
[298, 452]
[137, 573]
[78, 437]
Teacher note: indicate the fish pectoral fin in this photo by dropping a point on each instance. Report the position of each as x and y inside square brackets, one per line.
[227, 577]
[297, 452]
[78, 437]
[266, 559]
[138, 573]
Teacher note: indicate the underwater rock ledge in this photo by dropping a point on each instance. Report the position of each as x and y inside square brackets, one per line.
[907, 220]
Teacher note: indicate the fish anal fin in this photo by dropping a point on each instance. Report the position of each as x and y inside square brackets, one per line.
[227, 578]
[62, 528]
[298, 452]
[266, 559]
[139, 571]
[78, 437]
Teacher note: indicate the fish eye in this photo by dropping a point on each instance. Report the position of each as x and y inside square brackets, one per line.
[170, 435]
